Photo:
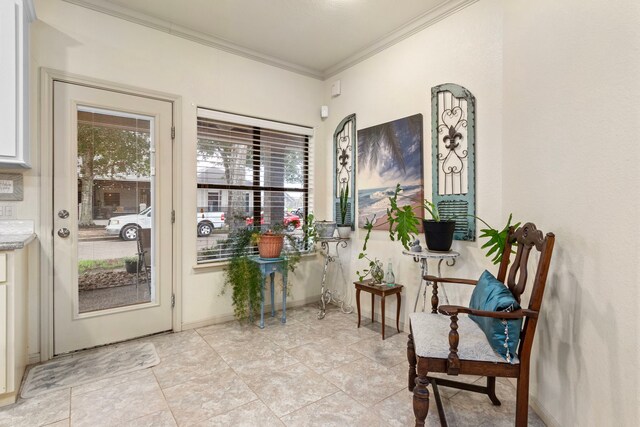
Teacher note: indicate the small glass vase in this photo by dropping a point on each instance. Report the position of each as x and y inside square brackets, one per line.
[377, 272]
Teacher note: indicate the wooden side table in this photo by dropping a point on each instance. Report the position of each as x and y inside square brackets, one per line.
[382, 290]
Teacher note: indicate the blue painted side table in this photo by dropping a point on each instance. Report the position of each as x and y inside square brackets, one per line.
[269, 267]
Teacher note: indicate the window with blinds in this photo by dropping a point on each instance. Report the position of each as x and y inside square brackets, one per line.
[260, 172]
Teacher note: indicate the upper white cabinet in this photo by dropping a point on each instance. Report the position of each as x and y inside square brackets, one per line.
[15, 16]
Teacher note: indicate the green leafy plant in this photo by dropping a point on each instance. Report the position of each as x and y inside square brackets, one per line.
[309, 231]
[497, 239]
[243, 276]
[402, 220]
[344, 204]
[403, 227]
[432, 209]
[375, 266]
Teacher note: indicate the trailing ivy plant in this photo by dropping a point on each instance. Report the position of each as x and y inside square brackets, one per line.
[375, 266]
[243, 275]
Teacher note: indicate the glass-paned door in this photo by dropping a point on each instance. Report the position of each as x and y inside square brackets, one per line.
[112, 227]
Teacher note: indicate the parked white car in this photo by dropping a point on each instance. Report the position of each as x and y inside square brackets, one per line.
[126, 226]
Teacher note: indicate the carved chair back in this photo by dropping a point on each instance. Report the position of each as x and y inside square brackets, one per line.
[526, 238]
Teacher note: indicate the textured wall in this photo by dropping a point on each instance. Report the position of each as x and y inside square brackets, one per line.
[570, 163]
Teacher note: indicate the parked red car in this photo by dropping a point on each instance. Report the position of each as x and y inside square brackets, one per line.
[290, 221]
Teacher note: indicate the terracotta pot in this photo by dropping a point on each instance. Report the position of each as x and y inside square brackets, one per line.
[270, 245]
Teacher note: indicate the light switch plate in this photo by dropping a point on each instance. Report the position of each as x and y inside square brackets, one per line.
[8, 211]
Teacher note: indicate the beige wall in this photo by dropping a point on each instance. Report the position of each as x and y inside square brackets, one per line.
[466, 49]
[556, 85]
[76, 40]
[571, 120]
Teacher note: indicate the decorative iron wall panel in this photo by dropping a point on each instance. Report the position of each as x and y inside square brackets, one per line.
[453, 134]
[344, 167]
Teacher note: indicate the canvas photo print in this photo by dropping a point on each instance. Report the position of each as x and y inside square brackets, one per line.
[388, 154]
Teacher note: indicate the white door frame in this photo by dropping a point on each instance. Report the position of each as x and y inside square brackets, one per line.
[45, 233]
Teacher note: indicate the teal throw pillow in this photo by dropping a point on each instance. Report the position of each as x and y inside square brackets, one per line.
[492, 295]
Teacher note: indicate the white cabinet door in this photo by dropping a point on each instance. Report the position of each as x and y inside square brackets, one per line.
[3, 339]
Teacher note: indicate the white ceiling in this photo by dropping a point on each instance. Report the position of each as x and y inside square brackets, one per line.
[313, 37]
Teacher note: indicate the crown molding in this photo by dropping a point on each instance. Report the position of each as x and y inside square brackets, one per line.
[30, 10]
[195, 36]
[414, 26]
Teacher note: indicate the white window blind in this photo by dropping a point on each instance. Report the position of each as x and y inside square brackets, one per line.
[262, 171]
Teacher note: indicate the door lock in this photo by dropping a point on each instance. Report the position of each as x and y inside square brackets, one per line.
[64, 214]
[64, 233]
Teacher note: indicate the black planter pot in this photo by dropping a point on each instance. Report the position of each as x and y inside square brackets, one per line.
[131, 266]
[439, 234]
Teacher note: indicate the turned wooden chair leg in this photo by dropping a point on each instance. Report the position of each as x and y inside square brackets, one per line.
[421, 400]
[522, 401]
[411, 357]
[491, 391]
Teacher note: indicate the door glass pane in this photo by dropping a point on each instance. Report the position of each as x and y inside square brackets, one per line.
[115, 215]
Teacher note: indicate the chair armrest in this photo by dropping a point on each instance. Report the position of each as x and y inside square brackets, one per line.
[453, 361]
[437, 279]
[451, 310]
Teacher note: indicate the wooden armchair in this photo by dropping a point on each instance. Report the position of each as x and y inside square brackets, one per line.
[467, 351]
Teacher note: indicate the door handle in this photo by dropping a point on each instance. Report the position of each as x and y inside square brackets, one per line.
[64, 233]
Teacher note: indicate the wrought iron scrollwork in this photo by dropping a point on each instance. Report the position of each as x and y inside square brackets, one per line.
[452, 164]
[453, 138]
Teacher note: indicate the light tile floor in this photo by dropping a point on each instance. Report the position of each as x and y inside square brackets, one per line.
[308, 372]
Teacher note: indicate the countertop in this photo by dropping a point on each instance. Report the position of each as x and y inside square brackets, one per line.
[15, 234]
[9, 242]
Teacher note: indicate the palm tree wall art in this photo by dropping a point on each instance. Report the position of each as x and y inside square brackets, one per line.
[388, 154]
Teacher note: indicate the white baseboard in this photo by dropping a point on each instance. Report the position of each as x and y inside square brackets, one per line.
[544, 415]
[34, 358]
[229, 317]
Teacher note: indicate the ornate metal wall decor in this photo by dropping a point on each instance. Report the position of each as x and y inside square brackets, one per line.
[453, 135]
[344, 166]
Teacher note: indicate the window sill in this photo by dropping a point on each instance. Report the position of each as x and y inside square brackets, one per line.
[215, 266]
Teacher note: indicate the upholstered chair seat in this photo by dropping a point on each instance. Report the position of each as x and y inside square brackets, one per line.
[430, 337]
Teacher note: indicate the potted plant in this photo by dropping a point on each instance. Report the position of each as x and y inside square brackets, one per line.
[375, 269]
[325, 229]
[438, 232]
[344, 229]
[403, 224]
[243, 275]
[131, 264]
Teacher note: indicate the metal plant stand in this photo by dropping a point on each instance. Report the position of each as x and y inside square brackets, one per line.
[423, 258]
[326, 295]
